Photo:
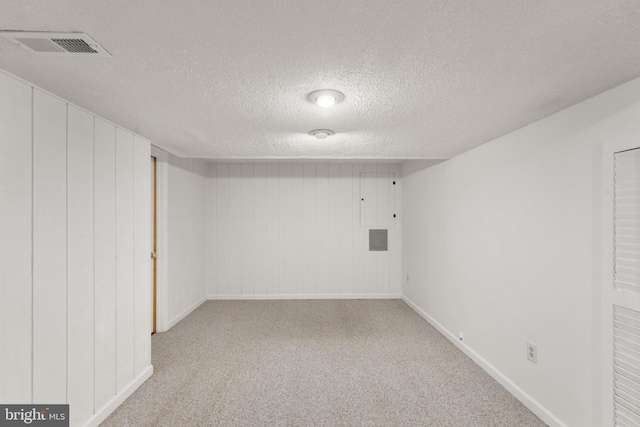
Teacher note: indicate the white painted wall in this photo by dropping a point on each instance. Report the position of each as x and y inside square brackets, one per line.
[186, 236]
[502, 243]
[74, 287]
[292, 230]
[16, 255]
[49, 248]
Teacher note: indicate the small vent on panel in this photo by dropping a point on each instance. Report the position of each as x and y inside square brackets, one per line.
[626, 361]
[626, 224]
[56, 44]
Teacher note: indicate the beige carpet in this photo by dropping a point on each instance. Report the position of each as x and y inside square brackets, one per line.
[314, 363]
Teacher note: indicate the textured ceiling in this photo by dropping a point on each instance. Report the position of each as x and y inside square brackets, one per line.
[422, 79]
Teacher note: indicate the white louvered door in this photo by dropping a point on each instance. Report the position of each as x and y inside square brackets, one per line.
[626, 366]
[621, 294]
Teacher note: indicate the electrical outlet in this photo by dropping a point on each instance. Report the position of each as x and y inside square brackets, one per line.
[532, 352]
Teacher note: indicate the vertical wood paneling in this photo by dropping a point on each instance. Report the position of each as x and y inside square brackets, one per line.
[105, 262]
[176, 288]
[212, 230]
[334, 214]
[15, 235]
[360, 235]
[248, 229]
[285, 246]
[309, 242]
[49, 249]
[198, 229]
[235, 228]
[349, 202]
[141, 230]
[297, 228]
[322, 228]
[63, 248]
[371, 203]
[384, 182]
[382, 276]
[260, 226]
[186, 235]
[223, 258]
[395, 248]
[80, 288]
[124, 259]
[274, 239]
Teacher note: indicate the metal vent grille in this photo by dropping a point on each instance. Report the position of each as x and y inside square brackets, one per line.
[75, 45]
[40, 45]
[627, 226]
[626, 365]
[56, 44]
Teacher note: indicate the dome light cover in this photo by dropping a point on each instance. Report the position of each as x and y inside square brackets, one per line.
[321, 133]
[326, 98]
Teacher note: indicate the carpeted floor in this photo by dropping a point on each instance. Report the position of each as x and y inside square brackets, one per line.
[314, 363]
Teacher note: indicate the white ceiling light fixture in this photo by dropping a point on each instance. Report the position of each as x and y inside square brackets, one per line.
[321, 133]
[326, 98]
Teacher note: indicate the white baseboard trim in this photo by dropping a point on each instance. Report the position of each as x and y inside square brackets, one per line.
[302, 296]
[520, 394]
[117, 400]
[185, 313]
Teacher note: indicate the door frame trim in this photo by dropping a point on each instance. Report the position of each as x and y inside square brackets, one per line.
[162, 301]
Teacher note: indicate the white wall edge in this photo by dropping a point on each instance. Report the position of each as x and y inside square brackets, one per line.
[118, 399]
[302, 296]
[185, 313]
[535, 407]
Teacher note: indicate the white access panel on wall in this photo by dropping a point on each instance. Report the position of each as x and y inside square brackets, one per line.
[377, 199]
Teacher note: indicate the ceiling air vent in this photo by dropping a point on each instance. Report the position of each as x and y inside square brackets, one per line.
[56, 44]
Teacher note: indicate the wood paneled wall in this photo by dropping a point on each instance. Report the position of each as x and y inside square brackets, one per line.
[16, 275]
[186, 236]
[278, 230]
[74, 284]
